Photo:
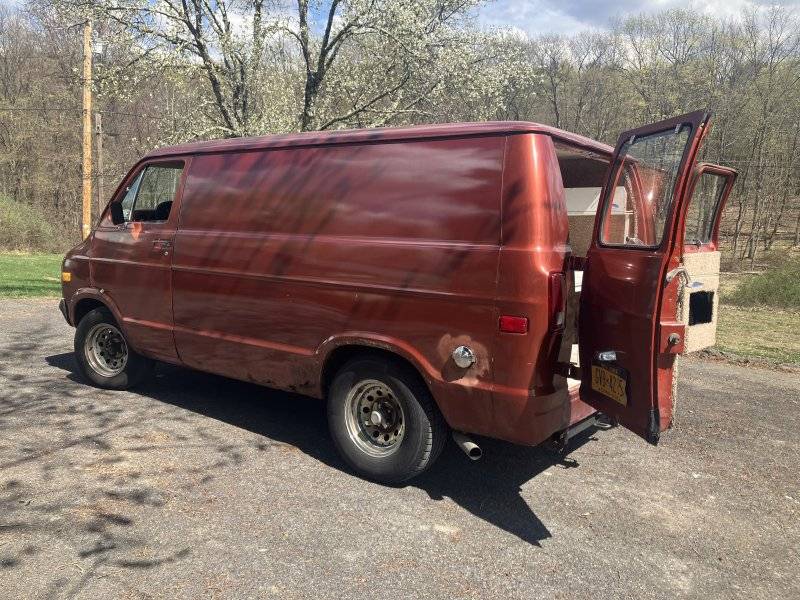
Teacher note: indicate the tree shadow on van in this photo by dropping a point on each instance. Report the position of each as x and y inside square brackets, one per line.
[489, 489]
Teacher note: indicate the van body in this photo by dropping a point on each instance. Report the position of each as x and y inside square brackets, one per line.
[500, 279]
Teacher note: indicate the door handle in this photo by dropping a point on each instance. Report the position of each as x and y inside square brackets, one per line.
[678, 271]
[683, 272]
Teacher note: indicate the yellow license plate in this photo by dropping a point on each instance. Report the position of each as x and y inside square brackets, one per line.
[609, 384]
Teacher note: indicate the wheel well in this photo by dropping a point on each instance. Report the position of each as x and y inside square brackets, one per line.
[85, 306]
[341, 355]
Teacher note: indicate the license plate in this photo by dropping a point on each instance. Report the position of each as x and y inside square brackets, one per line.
[610, 382]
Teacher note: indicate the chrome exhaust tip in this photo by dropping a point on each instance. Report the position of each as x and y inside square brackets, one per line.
[470, 448]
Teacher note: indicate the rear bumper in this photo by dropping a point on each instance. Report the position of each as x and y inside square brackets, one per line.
[531, 420]
[62, 306]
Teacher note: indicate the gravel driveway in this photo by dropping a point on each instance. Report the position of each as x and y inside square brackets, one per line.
[197, 486]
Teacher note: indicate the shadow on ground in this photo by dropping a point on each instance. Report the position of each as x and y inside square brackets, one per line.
[489, 489]
[81, 468]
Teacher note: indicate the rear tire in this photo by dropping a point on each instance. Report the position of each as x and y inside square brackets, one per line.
[104, 356]
[384, 421]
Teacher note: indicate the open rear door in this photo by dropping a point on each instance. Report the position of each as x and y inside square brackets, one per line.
[629, 327]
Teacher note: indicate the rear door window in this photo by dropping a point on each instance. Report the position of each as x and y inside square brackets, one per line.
[643, 190]
[703, 207]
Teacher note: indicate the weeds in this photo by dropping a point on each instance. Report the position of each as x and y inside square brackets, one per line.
[778, 287]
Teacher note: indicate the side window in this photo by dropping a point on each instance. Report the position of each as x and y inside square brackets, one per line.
[130, 197]
[150, 196]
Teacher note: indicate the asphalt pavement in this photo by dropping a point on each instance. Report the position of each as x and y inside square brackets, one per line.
[196, 486]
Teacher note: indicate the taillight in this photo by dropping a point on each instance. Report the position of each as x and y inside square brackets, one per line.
[556, 300]
[511, 324]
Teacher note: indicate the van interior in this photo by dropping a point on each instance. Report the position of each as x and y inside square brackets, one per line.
[583, 174]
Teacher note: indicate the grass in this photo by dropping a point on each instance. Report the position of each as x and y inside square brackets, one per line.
[758, 318]
[762, 333]
[29, 275]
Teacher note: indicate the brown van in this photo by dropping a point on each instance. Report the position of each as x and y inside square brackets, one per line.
[501, 279]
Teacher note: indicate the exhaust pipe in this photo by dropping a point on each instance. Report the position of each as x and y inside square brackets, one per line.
[470, 448]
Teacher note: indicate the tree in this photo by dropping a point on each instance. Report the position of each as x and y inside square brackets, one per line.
[233, 41]
[225, 39]
[175, 70]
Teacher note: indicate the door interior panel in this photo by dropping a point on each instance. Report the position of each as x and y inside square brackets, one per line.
[699, 300]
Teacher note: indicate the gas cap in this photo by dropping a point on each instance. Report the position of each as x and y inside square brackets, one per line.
[464, 357]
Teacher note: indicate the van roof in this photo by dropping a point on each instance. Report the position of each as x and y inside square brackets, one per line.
[354, 136]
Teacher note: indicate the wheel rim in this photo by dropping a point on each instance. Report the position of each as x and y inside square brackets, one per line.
[106, 350]
[374, 417]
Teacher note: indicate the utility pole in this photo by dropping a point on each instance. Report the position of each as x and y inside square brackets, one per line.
[98, 131]
[86, 221]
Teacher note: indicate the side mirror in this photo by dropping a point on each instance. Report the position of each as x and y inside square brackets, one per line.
[116, 213]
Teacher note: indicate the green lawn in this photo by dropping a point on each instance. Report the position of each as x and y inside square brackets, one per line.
[28, 275]
[763, 333]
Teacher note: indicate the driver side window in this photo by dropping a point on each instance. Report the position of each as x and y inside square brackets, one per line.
[130, 197]
[150, 196]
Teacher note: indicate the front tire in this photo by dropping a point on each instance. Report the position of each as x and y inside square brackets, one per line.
[104, 356]
[383, 420]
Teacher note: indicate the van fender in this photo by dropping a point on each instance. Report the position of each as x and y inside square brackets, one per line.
[381, 342]
[465, 407]
[91, 293]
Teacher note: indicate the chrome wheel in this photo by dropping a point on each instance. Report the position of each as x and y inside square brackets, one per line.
[106, 350]
[374, 418]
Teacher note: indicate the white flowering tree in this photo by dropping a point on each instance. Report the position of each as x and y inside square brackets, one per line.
[224, 40]
[272, 65]
[361, 58]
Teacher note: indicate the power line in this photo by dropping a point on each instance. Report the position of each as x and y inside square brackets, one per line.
[77, 110]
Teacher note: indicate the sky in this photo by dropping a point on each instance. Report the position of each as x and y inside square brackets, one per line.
[535, 17]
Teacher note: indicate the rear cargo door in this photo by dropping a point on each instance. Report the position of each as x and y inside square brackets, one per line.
[699, 297]
[629, 327]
